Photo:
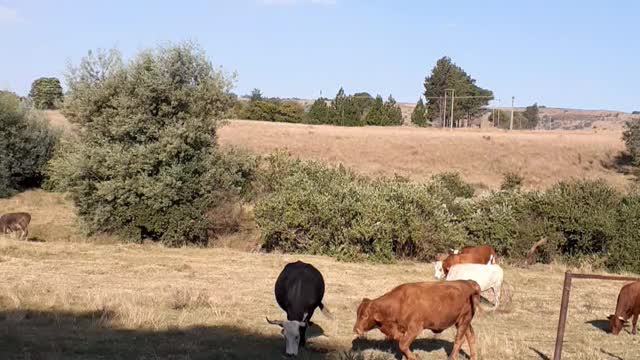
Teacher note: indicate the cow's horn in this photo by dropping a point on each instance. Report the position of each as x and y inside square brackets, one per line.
[274, 322]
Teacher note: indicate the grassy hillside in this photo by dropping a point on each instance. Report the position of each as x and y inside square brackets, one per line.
[64, 298]
[482, 157]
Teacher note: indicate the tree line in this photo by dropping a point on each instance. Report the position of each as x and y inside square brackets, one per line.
[359, 109]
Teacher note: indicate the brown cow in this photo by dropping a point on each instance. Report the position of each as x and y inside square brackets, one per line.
[404, 312]
[15, 222]
[441, 268]
[628, 305]
[485, 251]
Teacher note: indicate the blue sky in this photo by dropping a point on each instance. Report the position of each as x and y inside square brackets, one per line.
[580, 54]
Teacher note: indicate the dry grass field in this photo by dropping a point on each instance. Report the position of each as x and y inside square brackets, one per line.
[62, 296]
[481, 156]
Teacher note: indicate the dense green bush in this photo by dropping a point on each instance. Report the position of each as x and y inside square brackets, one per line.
[26, 144]
[623, 253]
[453, 182]
[46, 93]
[585, 212]
[512, 181]
[320, 210]
[273, 110]
[631, 137]
[419, 114]
[145, 162]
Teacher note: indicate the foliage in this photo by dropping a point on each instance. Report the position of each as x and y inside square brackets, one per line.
[320, 112]
[419, 115]
[256, 95]
[512, 181]
[453, 182]
[631, 137]
[26, 144]
[273, 110]
[392, 112]
[145, 161]
[532, 116]
[46, 93]
[321, 210]
[448, 75]
[622, 253]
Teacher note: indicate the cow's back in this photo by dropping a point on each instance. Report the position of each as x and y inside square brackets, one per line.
[483, 252]
[629, 297]
[436, 304]
[13, 220]
[299, 288]
[485, 275]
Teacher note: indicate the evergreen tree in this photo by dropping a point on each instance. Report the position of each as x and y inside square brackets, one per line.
[419, 116]
[447, 75]
[532, 116]
[256, 95]
[392, 112]
[320, 113]
[375, 115]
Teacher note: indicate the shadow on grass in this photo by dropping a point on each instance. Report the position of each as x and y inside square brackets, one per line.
[621, 163]
[599, 324]
[542, 355]
[61, 335]
[427, 345]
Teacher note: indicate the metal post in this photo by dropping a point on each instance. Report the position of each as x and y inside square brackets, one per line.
[444, 108]
[513, 98]
[453, 98]
[566, 290]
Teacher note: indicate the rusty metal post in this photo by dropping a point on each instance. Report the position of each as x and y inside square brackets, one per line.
[564, 305]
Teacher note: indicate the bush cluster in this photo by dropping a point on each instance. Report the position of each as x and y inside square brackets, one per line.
[145, 163]
[26, 144]
[308, 207]
[315, 209]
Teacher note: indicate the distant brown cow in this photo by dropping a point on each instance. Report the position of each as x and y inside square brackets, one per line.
[404, 312]
[441, 268]
[15, 222]
[628, 305]
[485, 251]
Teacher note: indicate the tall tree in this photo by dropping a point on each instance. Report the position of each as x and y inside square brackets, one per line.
[256, 95]
[419, 116]
[448, 75]
[375, 115]
[392, 112]
[532, 116]
[320, 113]
[46, 93]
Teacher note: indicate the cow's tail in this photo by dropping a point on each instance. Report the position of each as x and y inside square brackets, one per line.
[474, 301]
[325, 311]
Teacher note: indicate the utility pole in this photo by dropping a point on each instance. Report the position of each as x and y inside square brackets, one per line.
[444, 108]
[453, 98]
[513, 98]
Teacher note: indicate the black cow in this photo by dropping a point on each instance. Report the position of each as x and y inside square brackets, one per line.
[299, 291]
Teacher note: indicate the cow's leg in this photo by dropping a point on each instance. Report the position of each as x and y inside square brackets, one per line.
[496, 297]
[303, 337]
[407, 338]
[471, 340]
[25, 234]
[634, 322]
[460, 337]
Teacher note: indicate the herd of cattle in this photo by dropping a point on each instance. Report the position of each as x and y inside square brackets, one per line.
[404, 312]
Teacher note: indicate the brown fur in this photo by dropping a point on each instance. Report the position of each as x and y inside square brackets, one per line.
[485, 251]
[532, 252]
[468, 258]
[404, 312]
[628, 305]
[15, 222]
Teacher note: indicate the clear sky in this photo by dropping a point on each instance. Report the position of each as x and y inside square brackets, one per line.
[580, 54]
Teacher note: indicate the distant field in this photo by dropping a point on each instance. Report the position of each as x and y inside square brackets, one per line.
[481, 156]
[64, 297]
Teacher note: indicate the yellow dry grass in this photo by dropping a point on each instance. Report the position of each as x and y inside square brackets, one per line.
[63, 297]
[482, 157]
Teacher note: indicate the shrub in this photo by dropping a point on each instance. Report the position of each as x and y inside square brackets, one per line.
[274, 110]
[454, 183]
[332, 211]
[631, 137]
[46, 93]
[146, 163]
[26, 144]
[585, 212]
[419, 114]
[622, 252]
[511, 181]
